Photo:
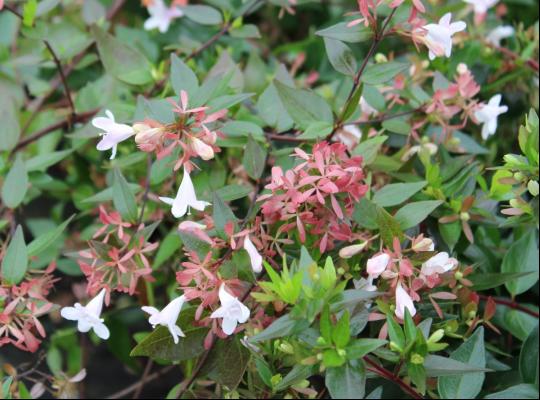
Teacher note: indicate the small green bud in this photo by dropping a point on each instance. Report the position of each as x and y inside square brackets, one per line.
[518, 176]
[533, 188]
[380, 58]
[471, 314]
[319, 356]
[395, 347]
[286, 348]
[436, 336]
[321, 341]
[465, 216]
[458, 275]
[276, 379]
[340, 271]
[417, 359]
[342, 352]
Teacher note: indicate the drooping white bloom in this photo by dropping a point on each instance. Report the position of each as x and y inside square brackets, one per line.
[185, 198]
[365, 284]
[349, 251]
[501, 32]
[376, 265]
[232, 311]
[161, 16]
[203, 150]
[88, 317]
[365, 107]
[113, 133]
[254, 256]
[438, 38]
[431, 148]
[438, 264]
[167, 317]
[488, 115]
[349, 135]
[403, 301]
[481, 6]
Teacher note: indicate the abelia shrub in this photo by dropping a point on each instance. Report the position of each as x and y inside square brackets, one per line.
[269, 199]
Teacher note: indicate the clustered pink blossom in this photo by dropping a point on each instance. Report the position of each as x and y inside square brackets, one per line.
[192, 132]
[20, 307]
[317, 196]
[118, 259]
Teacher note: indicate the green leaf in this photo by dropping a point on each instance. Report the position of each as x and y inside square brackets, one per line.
[528, 358]
[159, 344]
[395, 333]
[297, 374]
[351, 34]
[233, 192]
[10, 130]
[121, 60]
[317, 130]
[389, 226]
[469, 385]
[304, 106]
[444, 366]
[522, 257]
[347, 381]
[203, 15]
[123, 198]
[16, 184]
[29, 12]
[273, 111]
[168, 246]
[522, 391]
[341, 57]
[341, 332]
[283, 326]
[222, 215]
[450, 232]
[489, 280]
[42, 242]
[369, 148]
[248, 31]
[254, 158]
[397, 193]
[397, 125]
[413, 213]
[182, 77]
[377, 74]
[221, 359]
[43, 161]
[361, 347]
[15, 261]
[107, 194]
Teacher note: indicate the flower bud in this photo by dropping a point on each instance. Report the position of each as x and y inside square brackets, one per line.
[145, 134]
[465, 216]
[533, 187]
[286, 348]
[436, 336]
[349, 251]
[380, 58]
[203, 150]
[462, 68]
[417, 359]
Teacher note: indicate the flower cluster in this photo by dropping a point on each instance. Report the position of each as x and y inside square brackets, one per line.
[116, 257]
[317, 196]
[20, 307]
[192, 132]
[404, 273]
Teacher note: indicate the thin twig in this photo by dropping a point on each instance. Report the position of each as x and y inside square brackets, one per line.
[62, 78]
[82, 117]
[146, 372]
[512, 304]
[379, 36]
[383, 372]
[130, 389]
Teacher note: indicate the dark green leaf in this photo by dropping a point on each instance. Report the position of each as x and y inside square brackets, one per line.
[15, 260]
[376, 74]
[16, 184]
[347, 381]
[413, 213]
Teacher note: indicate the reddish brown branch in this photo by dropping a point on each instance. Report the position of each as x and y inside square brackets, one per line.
[383, 372]
[511, 304]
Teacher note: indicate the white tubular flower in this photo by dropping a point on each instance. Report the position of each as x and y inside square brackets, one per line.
[232, 311]
[481, 6]
[113, 133]
[403, 301]
[88, 317]
[203, 150]
[167, 317]
[438, 264]
[161, 16]
[488, 115]
[349, 251]
[365, 107]
[254, 256]
[185, 198]
[377, 265]
[501, 32]
[439, 36]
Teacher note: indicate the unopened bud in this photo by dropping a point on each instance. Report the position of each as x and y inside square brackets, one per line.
[349, 251]
[533, 188]
[417, 359]
[380, 58]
